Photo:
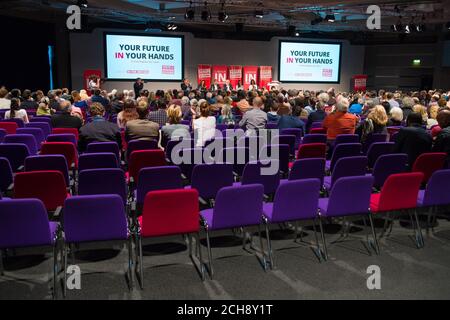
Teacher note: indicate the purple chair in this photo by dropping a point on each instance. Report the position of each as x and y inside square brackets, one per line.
[42, 125]
[62, 137]
[350, 196]
[298, 133]
[294, 201]
[3, 133]
[346, 138]
[221, 126]
[218, 143]
[95, 218]
[283, 156]
[27, 139]
[378, 149]
[156, 178]
[6, 176]
[253, 174]
[15, 153]
[271, 125]
[346, 167]
[238, 156]
[95, 147]
[373, 138]
[41, 119]
[48, 162]
[103, 181]
[314, 138]
[20, 123]
[236, 207]
[208, 179]
[386, 165]
[308, 169]
[97, 161]
[343, 150]
[135, 145]
[36, 132]
[191, 157]
[289, 140]
[316, 124]
[24, 223]
[254, 143]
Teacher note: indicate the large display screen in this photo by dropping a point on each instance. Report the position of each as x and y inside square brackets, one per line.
[158, 58]
[309, 62]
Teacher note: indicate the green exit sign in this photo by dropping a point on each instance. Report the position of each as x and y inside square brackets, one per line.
[416, 62]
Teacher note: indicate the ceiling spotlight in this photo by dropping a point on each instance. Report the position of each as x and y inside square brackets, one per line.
[82, 3]
[222, 16]
[330, 17]
[190, 13]
[172, 27]
[297, 34]
[259, 14]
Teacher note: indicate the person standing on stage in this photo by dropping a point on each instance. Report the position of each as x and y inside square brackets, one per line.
[138, 86]
[186, 86]
[94, 82]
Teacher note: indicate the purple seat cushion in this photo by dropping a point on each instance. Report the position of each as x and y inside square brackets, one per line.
[207, 215]
[268, 210]
[420, 198]
[323, 206]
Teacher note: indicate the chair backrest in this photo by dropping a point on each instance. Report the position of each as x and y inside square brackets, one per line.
[298, 133]
[190, 158]
[267, 153]
[97, 161]
[6, 174]
[170, 212]
[19, 122]
[312, 150]
[42, 125]
[103, 181]
[73, 131]
[110, 146]
[15, 153]
[289, 140]
[271, 125]
[135, 145]
[314, 138]
[145, 158]
[62, 137]
[296, 200]
[309, 168]
[238, 206]
[400, 191]
[47, 186]
[27, 139]
[373, 138]
[10, 127]
[67, 149]
[158, 178]
[350, 196]
[48, 162]
[254, 174]
[238, 156]
[254, 143]
[428, 163]
[377, 149]
[437, 191]
[3, 133]
[388, 164]
[208, 179]
[349, 167]
[344, 150]
[24, 223]
[346, 138]
[94, 218]
[316, 124]
[318, 130]
[41, 119]
[38, 134]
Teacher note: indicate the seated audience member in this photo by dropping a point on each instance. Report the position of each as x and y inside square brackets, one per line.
[356, 105]
[97, 97]
[290, 119]
[413, 140]
[160, 115]
[16, 112]
[254, 119]
[99, 130]
[117, 103]
[226, 116]
[78, 102]
[4, 102]
[65, 119]
[28, 102]
[204, 127]
[407, 106]
[272, 115]
[142, 128]
[243, 104]
[423, 112]
[442, 141]
[315, 115]
[44, 109]
[173, 129]
[375, 123]
[432, 119]
[340, 121]
[396, 118]
[219, 103]
[127, 114]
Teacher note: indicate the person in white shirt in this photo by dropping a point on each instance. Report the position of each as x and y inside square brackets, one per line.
[205, 126]
[16, 112]
[252, 86]
[4, 103]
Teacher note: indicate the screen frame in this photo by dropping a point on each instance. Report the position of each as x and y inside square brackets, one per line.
[105, 62]
[314, 42]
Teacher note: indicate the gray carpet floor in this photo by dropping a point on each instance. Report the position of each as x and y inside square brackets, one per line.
[406, 272]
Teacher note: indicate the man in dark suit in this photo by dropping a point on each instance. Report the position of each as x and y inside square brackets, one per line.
[413, 140]
[214, 86]
[138, 86]
[64, 119]
[186, 86]
[227, 86]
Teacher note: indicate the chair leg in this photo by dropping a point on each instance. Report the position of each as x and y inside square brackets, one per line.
[65, 271]
[208, 243]
[325, 252]
[263, 252]
[198, 252]
[269, 246]
[55, 270]
[1, 263]
[419, 235]
[130, 261]
[374, 235]
[141, 262]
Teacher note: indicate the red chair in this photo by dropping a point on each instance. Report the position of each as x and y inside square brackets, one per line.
[166, 213]
[310, 150]
[47, 186]
[399, 193]
[318, 130]
[10, 127]
[428, 163]
[143, 159]
[67, 149]
[66, 130]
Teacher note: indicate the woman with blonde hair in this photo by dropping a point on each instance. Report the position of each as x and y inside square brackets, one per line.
[423, 112]
[431, 121]
[375, 123]
[173, 129]
[128, 113]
